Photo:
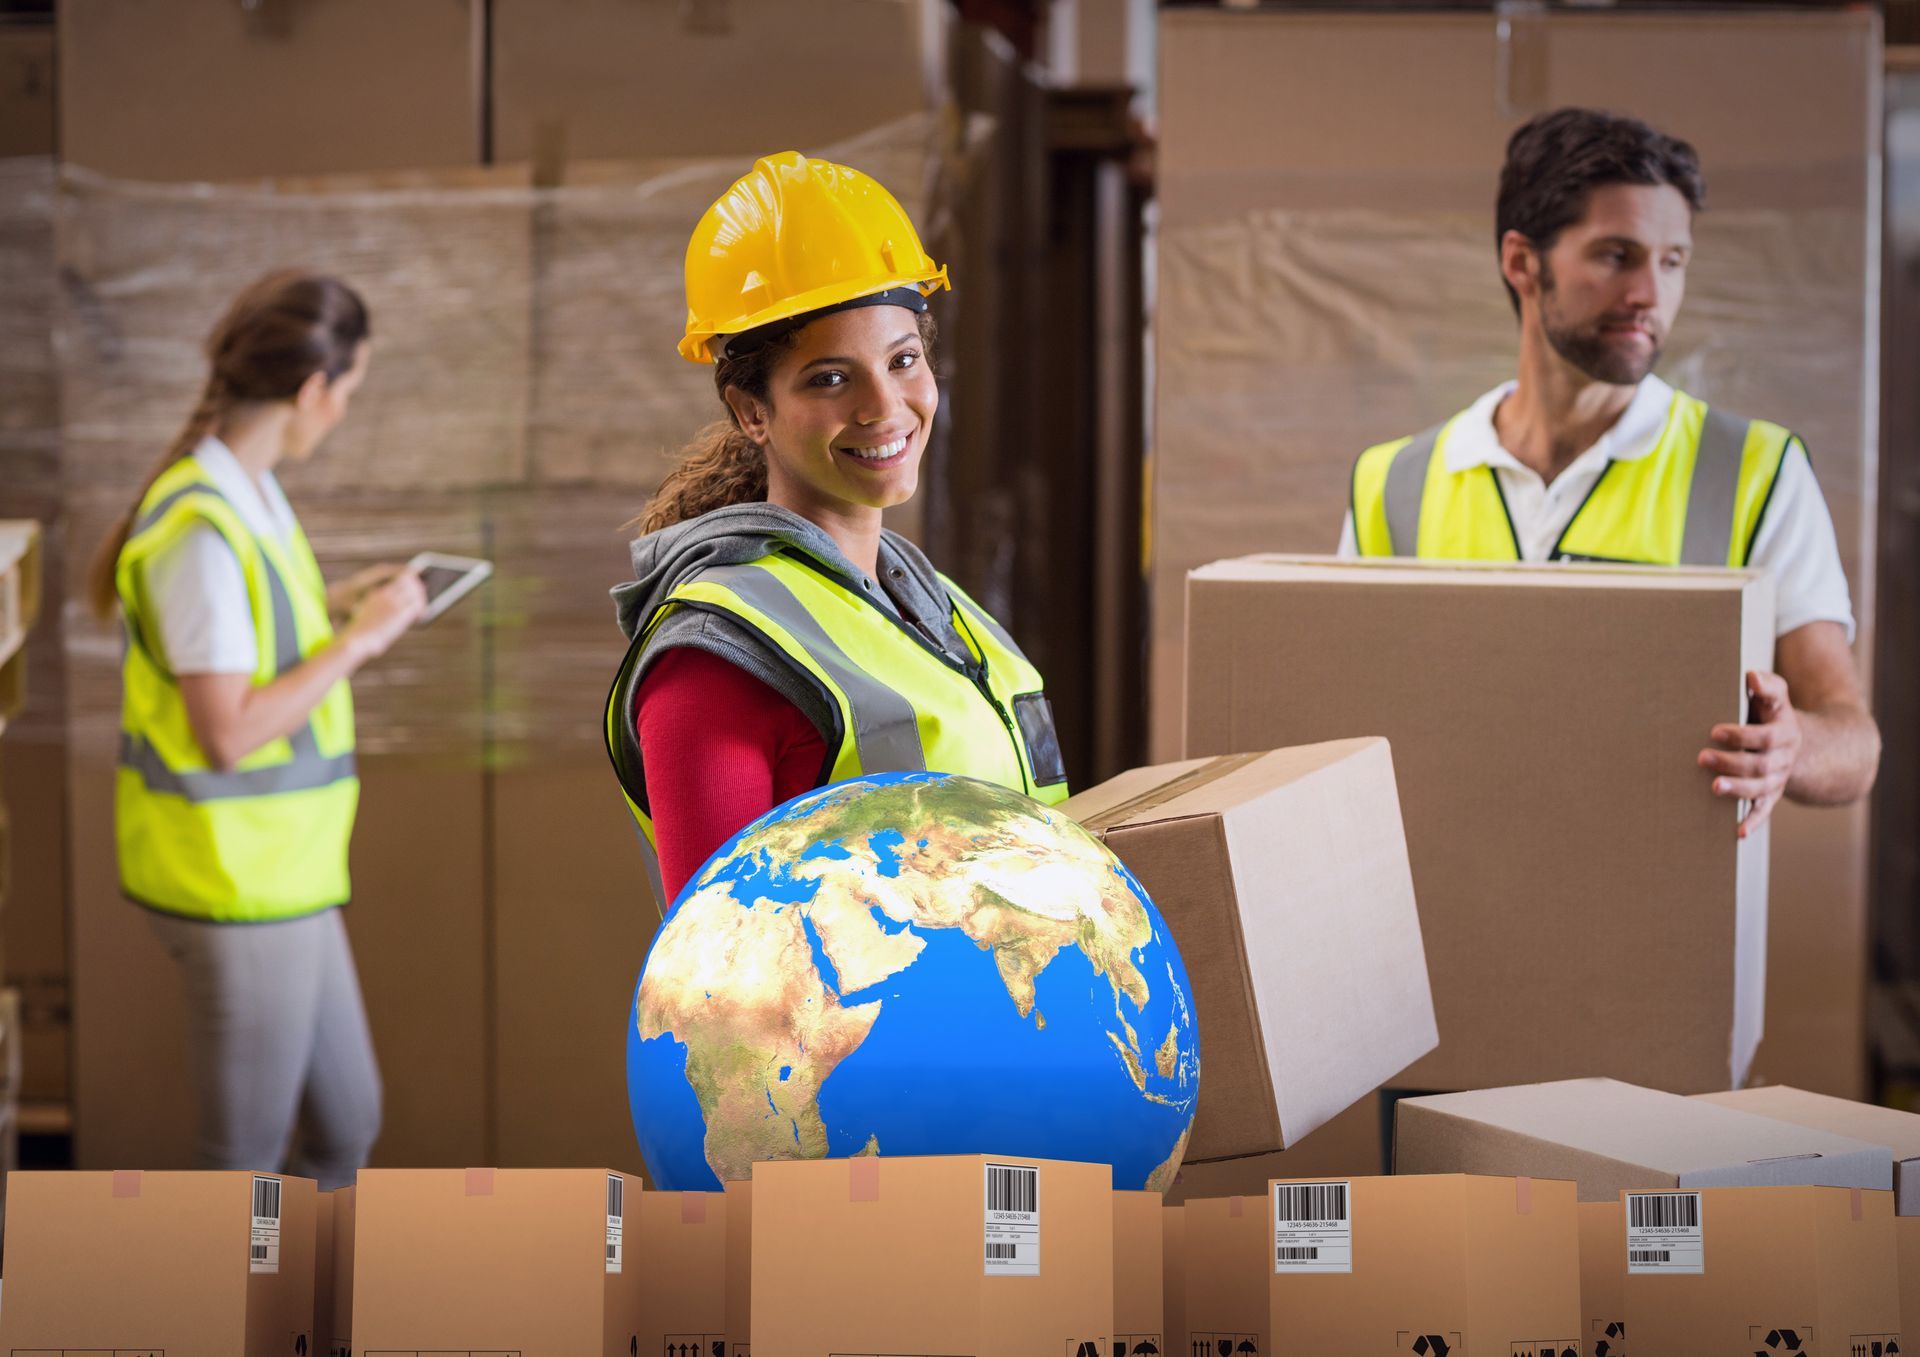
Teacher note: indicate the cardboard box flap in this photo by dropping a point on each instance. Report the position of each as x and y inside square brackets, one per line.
[1212, 786]
[1119, 799]
[1494, 574]
[1698, 1144]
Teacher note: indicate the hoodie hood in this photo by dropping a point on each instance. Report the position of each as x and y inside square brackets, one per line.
[735, 535]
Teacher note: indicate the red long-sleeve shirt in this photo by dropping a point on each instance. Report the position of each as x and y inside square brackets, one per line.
[720, 748]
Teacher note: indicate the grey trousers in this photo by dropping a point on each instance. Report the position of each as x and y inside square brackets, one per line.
[278, 1052]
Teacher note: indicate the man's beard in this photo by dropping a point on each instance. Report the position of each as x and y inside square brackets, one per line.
[1590, 351]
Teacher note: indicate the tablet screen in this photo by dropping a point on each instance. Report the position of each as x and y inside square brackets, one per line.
[439, 578]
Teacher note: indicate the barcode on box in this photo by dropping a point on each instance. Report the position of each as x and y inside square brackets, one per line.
[1312, 1227]
[1310, 1201]
[1665, 1233]
[616, 1220]
[1664, 1210]
[263, 1249]
[1011, 1227]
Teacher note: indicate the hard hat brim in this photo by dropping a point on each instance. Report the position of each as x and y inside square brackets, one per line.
[697, 346]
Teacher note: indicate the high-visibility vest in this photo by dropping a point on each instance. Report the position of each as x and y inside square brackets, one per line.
[898, 704]
[1696, 499]
[266, 839]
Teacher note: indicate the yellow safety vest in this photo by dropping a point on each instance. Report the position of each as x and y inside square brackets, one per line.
[898, 704]
[1696, 499]
[267, 839]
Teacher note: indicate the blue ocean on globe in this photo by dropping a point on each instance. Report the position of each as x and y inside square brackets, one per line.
[911, 964]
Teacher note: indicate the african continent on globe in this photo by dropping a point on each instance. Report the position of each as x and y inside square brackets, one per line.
[912, 963]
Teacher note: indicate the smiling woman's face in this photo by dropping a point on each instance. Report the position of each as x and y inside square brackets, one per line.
[850, 406]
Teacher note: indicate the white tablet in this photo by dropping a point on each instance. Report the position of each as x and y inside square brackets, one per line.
[448, 579]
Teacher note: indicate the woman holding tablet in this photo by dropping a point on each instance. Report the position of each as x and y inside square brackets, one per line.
[780, 638]
[236, 787]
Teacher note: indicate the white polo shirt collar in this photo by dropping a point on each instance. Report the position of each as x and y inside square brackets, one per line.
[1473, 441]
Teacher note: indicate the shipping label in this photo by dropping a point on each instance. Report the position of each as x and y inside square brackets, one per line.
[1011, 1234]
[1666, 1235]
[1312, 1227]
[264, 1253]
[616, 1219]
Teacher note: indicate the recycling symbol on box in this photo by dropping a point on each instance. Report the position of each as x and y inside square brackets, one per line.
[1613, 1342]
[1778, 1342]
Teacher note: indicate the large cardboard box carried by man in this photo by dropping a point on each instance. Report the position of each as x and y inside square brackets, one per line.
[1586, 905]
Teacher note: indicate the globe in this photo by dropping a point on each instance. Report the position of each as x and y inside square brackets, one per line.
[912, 964]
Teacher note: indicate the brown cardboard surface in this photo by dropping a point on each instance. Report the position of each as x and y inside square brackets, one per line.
[1538, 938]
[680, 1248]
[1173, 1276]
[1488, 1264]
[739, 1266]
[153, 1262]
[560, 991]
[492, 1260]
[1817, 1261]
[1898, 1131]
[1609, 1136]
[26, 91]
[1283, 878]
[1227, 1252]
[908, 1274]
[284, 89]
[1139, 1266]
[1371, 239]
[607, 79]
[1603, 1278]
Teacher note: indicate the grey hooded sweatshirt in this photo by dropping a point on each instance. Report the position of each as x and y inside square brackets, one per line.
[907, 587]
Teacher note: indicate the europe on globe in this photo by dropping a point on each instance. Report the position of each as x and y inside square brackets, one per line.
[911, 964]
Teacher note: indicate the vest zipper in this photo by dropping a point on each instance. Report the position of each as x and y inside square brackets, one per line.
[975, 673]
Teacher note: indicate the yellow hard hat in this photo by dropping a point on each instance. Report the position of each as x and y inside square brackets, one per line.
[793, 237]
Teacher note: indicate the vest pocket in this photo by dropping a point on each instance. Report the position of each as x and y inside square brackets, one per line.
[1035, 715]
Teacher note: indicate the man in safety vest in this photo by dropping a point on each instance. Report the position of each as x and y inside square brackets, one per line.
[1589, 456]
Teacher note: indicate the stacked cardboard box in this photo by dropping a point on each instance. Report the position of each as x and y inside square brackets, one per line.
[1430, 1265]
[1898, 1131]
[965, 1253]
[1701, 1227]
[159, 1262]
[536, 1261]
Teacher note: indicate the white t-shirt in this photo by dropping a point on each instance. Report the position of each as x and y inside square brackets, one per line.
[198, 593]
[1795, 543]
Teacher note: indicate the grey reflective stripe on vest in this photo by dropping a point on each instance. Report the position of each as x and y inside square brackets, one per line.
[303, 773]
[306, 767]
[1406, 486]
[159, 511]
[885, 730]
[1716, 485]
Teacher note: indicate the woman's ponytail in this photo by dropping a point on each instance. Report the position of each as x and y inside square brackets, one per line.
[721, 466]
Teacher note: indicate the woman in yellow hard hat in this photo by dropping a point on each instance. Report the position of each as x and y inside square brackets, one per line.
[780, 637]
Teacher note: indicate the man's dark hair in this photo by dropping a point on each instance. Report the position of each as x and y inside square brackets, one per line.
[1559, 158]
